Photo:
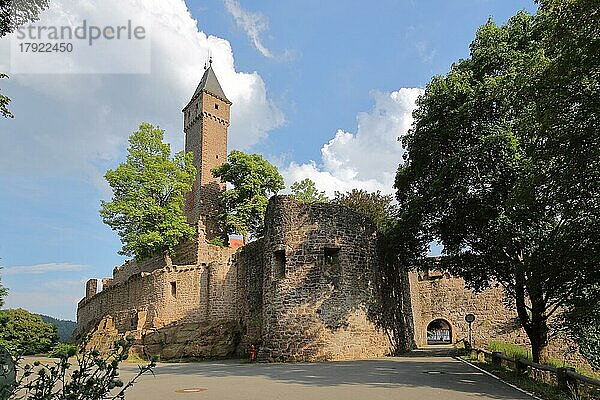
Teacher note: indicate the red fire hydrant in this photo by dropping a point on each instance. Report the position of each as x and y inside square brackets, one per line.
[251, 353]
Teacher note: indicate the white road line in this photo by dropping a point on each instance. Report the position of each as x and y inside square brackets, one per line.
[495, 377]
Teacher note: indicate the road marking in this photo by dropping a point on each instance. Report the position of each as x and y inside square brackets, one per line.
[497, 378]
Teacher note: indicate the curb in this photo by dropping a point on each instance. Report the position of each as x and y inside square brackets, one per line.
[499, 379]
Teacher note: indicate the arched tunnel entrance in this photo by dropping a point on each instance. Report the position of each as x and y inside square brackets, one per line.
[439, 332]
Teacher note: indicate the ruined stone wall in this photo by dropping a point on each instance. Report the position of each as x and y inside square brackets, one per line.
[317, 277]
[166, 296]
[133, 267]
[249, 262]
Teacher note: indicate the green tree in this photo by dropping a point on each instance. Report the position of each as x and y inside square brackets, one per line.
[148, 195]
[378, 207]
[306, 191]
[24, 333]
[13, 14]
[16, 13]
[502, 162]
[583, 325]
[254, 180]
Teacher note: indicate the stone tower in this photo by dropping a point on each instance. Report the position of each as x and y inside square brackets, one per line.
[205, 123]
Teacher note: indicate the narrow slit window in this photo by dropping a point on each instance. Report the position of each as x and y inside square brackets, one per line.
[216, 106]
[332, 268]
[174, 289]
[279, 258]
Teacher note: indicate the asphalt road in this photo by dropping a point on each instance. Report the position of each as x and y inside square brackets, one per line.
[406, 378]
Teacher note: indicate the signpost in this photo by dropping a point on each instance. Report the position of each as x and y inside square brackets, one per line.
[470, 318]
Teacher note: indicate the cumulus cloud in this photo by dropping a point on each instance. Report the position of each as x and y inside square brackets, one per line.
[43, 268]
[253, 23]
[367, 159]
[77, 124]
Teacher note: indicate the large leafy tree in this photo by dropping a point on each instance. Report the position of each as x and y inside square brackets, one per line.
[148, 195]
[254, 180]
[13, 14]
[380, 208]
[307, 192]
[24, 333]
[583, 325]
[503, 162]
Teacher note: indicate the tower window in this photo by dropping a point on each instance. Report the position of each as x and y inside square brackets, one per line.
[279, 264]
[174, 289]
[217, 156]
[216, 106]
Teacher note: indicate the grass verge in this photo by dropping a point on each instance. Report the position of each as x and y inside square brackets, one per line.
[543, 390]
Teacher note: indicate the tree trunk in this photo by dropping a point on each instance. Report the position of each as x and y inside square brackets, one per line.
[539, 331]
[534, 322]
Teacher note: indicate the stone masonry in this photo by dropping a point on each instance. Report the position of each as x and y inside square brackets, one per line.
[302, 292]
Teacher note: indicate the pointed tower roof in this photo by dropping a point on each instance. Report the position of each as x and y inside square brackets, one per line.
[210, 84]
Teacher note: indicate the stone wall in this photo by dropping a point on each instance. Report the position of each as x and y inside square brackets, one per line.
[249, 262]
[165, 297]
[317, 276]
[443, 297]
[437, 295]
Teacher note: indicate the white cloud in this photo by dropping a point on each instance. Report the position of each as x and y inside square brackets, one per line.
[77, 125]
[43, 268]
[253, 23]
[369, 158]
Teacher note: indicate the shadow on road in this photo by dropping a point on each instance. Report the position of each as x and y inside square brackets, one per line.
[420, 370]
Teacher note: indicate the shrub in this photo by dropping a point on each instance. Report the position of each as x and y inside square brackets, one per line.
[93, 377]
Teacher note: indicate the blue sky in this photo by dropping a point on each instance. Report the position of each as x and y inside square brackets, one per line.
[321, 88]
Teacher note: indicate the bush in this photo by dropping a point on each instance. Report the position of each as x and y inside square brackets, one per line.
[63, 350]
[23, 333]
[93, 377]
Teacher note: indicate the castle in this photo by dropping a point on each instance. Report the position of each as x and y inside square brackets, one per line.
[302, 292]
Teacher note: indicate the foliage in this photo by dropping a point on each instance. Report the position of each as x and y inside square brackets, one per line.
[3, 292]
[378, 207]
[63, 350]
[306, 191]
[24, 333]
[217, 241]
[584, 326]
[502, 162]
[93, 377]
[254, 180]
[64, 328]
[4, 101]
[13, 14]
[16, 13]
[148, 195]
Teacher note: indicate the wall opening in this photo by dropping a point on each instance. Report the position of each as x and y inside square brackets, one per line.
[279, 261]
[439, 332]
[332, 266]
[174, 289]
